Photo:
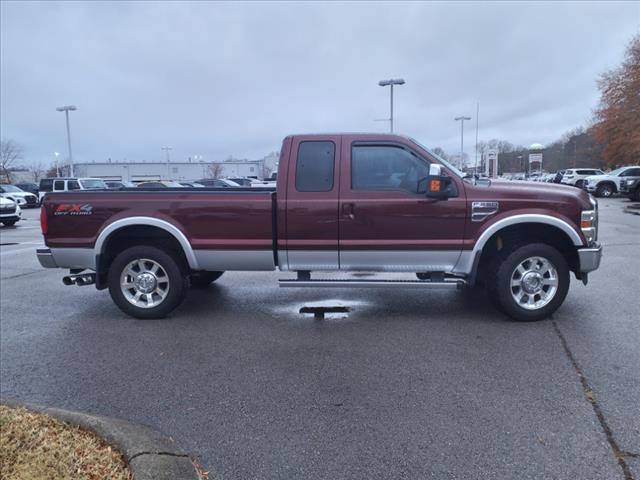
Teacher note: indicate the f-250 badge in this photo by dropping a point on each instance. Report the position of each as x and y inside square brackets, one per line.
[73, 209]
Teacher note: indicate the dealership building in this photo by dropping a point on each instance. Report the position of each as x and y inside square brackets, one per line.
[189, 170]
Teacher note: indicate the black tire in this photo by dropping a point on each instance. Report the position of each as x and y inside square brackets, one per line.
[204, 279]
[635, 196]
[178, 282]
[9, 223]
[605, 190]
[579, 183]
[503, 266]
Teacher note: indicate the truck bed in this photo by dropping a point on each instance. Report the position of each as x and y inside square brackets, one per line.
[232, 225]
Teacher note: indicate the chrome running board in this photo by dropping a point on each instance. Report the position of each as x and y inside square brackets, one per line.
[329, 283]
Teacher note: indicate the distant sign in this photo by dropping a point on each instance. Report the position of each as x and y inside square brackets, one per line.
[535, 157]
[492, 163]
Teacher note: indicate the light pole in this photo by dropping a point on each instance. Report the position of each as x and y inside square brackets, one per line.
[66, 109]
[462, 119]
[167, 149]
[391, 83]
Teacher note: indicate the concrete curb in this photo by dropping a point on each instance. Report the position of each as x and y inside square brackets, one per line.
[149, 454]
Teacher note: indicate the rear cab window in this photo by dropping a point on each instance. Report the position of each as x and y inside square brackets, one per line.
[315, 166]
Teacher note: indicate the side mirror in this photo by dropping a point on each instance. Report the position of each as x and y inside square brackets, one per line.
[436, 184]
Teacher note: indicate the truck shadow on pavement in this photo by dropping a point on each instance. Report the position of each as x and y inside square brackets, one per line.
[370, 305]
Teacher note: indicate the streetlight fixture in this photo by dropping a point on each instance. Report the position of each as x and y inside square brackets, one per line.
[66, 109]
[391, 83]
[462, 119]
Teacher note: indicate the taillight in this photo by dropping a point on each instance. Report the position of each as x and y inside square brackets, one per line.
[43, 220]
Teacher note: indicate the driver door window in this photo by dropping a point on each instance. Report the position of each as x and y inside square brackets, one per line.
[58, 185]
[386, 168]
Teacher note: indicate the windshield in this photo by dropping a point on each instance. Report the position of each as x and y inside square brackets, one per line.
[455, 170]
[230, 183]
[617, 171]
[92, 184]
[11, 188]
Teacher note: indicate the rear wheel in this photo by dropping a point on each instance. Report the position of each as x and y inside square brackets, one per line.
[204, 279]
[146, 282]
[604, 190]
[528, 282]
[579, 183]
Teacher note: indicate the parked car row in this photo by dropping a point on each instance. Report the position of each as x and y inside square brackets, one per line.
[595, 181]
[19, 196]
[607, 184]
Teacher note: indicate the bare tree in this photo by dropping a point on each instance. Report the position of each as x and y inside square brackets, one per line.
[10, 153]
[215, 170]
[441, 153]
[37, 171]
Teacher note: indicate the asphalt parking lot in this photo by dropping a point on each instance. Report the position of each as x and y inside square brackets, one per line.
[409, 384]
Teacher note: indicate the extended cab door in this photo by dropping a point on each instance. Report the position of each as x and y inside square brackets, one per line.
[312, 203]
[385, 225]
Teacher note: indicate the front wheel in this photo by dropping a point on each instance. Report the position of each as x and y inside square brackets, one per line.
[529, 282]
[146, 282]
[9, 223]
[605, 190]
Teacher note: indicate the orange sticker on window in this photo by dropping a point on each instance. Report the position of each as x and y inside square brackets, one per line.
[435, 186]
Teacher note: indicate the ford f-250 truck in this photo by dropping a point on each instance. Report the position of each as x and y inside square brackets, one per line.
[343, 202]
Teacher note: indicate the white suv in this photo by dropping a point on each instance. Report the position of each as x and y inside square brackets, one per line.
[60, 184]
[576, 176]
[10, 212]
[609, 183]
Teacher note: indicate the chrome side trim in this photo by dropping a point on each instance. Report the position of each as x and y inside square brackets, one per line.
[154, 222]
[399, 260]
[45, 257]
[283, 263]
[225, 260]
[73, 257]
[326, 260]
[465, 263]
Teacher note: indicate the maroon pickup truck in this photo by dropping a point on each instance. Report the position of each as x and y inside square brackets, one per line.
[343, 202]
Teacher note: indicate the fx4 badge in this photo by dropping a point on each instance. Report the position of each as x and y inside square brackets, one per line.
[73, 209]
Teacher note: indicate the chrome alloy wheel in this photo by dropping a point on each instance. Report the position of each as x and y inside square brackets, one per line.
[534, 283]
[144, 283]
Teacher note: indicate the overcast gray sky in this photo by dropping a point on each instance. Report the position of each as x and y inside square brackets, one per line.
[218, 79]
